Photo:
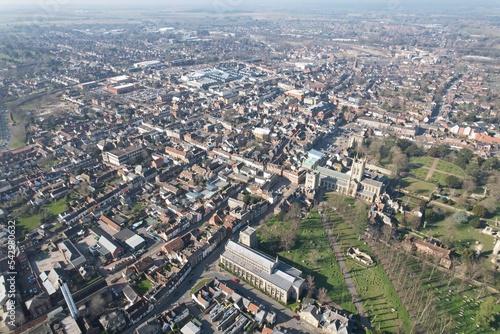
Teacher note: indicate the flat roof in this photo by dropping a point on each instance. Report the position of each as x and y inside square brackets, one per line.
[135, 241]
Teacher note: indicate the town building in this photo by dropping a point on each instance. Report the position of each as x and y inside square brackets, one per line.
[277, 279]
[352, 184]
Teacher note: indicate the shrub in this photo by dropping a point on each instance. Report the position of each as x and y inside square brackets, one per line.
[479, 211]
[452, 181]
[461, 217]
[475, 222]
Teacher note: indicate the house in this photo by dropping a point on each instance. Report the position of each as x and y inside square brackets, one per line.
[130, 294]
[152, 326]
[310, 314]
[113, 322]
[38, 305]
[138, 310]
[51, 279]
[106, 248]
[191, 328]
[71, 254]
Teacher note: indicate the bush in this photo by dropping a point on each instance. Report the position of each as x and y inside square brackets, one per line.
[461, 217]
[452, 181]
[430, 216]
[475, 222]
[479, 211]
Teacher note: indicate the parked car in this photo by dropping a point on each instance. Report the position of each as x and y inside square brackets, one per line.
[236, 280]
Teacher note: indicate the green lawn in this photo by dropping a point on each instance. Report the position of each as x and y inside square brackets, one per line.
[312, 254]
[422, 161]
[28, 223]
[438, 178]
[462, 235]
[452, 297]
[448, 167]
[419, 173]
[143, 286]
[376, 291]
[57, 207]
[417, 187]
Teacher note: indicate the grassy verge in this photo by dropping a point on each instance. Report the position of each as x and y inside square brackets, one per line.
[199, 284]
[311, 254]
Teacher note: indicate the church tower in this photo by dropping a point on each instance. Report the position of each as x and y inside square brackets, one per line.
[358, 169]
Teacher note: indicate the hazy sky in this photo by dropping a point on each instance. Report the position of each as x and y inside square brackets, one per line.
[424, 4]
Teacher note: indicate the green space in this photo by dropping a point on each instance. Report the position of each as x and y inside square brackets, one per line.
[380, 299]
[419, 173]
[449, 297]
[448, 167]
[438, 178]
[422, 161]
[311, 253]
[143, 286]
[417, 187]
[29, 223]
[457, 235]
[199, 284]
[57, 207]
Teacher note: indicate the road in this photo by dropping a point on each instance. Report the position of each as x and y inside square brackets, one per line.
[345, 272]
[199, 272]
[5, 135]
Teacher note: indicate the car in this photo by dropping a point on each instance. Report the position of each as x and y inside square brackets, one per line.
[296, 317]
[236, 280]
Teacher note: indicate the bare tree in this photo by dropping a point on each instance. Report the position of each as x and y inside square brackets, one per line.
[310, 285]
[287, 239]
[323, 297]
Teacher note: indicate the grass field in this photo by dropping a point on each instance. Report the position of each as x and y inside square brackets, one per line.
[422, 161]
[417, 187]
[451, 297]
[312, 254]
[438, 178]
[29, 223]
[143, 286]
[462, 235]
[57, 207]
[448, 167]
[377, 293]
[419, 173]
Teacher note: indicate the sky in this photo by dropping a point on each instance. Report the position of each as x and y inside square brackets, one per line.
[427, 5]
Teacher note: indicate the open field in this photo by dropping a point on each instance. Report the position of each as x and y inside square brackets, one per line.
[419, 173]
[29, 223]
[377, 292]
[438, 178]
[422, 161]
[418, 187]
[461, 235]
[448, 167]
[312, 254]
[450, 296]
